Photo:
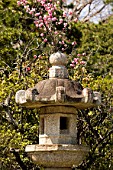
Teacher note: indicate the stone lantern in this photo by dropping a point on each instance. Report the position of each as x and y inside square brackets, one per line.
[57, 99]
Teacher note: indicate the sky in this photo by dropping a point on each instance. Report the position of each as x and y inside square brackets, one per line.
[97, 4]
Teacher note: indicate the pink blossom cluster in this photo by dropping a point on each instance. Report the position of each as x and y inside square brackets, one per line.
[74, 43]
[37, 57]
[46, 14]
[77, 61]
[22, 2]
[47, 20]
[28, 68]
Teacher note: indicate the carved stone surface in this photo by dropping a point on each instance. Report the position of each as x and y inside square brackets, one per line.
[97, 98]
[20, 97]
[58, 72]
[88, 95]
[63, 91]
[48, 87]
[50, 131]
[58, 69]
[58, 59]
[60, 94]
[57, 156]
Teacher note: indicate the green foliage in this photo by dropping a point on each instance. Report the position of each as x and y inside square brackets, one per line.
[96, 42]
[108, 1]
[97, 124]
[15, 34]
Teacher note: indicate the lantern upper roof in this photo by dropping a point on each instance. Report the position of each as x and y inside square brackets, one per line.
[58, 89]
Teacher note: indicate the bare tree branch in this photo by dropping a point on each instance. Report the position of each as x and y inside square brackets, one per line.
[91, 8]
[18, 159]
[88, 17]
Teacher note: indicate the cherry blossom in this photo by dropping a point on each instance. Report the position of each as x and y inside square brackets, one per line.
[45, 40]
[35, 56]
[51, 26]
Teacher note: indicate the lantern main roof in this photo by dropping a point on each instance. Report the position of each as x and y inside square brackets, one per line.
[58, 89]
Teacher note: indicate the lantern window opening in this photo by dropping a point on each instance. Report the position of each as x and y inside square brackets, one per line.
[64, 125]
[42, 122]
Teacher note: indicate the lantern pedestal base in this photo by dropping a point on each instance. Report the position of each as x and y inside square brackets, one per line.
[57, 156]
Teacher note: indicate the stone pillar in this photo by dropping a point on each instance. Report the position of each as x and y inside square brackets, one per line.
[58, 125]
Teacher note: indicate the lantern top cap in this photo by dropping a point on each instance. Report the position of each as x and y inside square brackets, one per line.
[58, 58]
